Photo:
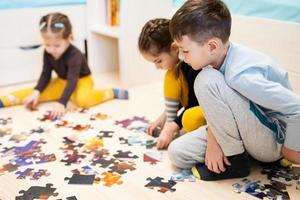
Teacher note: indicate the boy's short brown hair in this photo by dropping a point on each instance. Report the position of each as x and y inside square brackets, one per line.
[201, 20]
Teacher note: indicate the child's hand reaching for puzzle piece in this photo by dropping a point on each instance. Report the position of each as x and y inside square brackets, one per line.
[32, 100]
[167, 135]
[58, 111]
[158, 123]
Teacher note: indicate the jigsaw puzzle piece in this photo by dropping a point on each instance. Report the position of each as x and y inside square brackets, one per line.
[82, 179]
[122, 168]
[19, 137]
[153, 157]
[37, 175]
[102, 162]
[4, 132]
[183, 175]
[163, 186]
[43, 158]
[37, 192]
[111, 179]
[107, 134]
[73, 158]
[99, 116]
[5, 121]
[125, 156]
[23, 174]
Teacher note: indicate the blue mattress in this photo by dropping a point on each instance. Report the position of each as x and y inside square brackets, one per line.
[288, 10]
[14, 4]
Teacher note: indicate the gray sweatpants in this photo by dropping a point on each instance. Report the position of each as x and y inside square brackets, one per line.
[234, 126]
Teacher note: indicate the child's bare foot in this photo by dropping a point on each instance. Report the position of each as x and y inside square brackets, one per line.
[291, 155]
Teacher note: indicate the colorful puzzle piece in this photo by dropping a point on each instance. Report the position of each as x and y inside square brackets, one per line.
[37, 192]
[73, 158]
[107, 134]
[4, 132]
[23, 174]
[38, 130]
[122, 168]
[19, 137]
[93, 144]
[125, 156]
[183, 175]
[99, 116]
[46, 117]
[82, 179]
[163, 186]
[102, 162]
[5, 121]
[153, 157]
[111, 179]
[43, 158]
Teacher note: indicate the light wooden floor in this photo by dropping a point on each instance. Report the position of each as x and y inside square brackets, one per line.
[145, 100]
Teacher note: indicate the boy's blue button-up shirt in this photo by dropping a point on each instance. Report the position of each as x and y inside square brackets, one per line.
[263, 82]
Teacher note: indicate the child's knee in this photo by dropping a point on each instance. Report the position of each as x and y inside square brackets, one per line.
[176, 155]
[82, 101]
[207, 81]
[193, 118]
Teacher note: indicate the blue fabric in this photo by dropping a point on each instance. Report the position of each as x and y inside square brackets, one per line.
[287, 10]
[14, 4]
[262, 81]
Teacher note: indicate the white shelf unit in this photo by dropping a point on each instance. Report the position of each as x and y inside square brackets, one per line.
[116, 48]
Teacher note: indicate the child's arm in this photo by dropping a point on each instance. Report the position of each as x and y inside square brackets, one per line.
[45, 76]
[167, 135]
[32, 100]
[74, 66]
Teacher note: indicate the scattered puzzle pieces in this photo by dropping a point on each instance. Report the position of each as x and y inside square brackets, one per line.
[138, 124]
[5, 121]
[46, 117]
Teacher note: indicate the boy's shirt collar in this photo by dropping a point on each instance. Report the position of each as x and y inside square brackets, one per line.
[223, 66]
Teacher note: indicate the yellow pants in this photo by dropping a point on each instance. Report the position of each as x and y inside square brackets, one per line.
[84, 94]
[177, 88]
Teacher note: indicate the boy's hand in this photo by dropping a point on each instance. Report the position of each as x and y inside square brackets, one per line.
[166, 135]
[32, 100]
[214, 157]
[58, 111]
[291, 155]
[160, 122]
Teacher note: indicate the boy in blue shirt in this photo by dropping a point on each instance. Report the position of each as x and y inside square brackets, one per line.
[246, 98]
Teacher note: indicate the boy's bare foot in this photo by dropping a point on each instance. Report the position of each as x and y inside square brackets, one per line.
[291, 155]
